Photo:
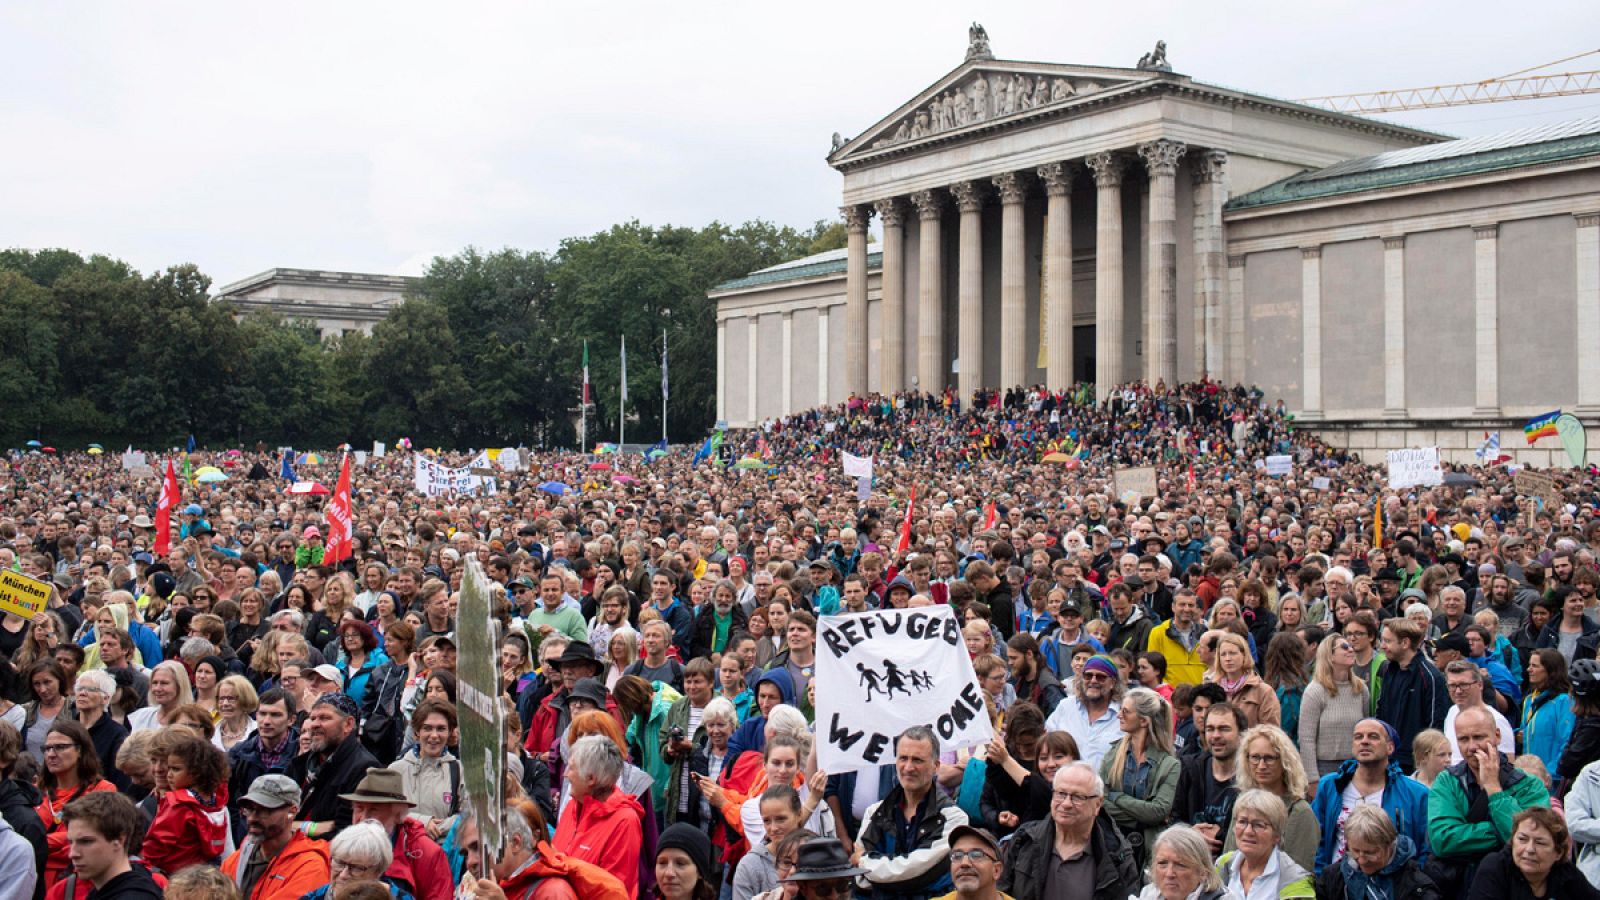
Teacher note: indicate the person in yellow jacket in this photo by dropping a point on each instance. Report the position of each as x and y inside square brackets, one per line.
[1178, 639]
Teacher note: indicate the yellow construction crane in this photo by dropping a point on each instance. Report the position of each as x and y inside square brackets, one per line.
[1494, 90]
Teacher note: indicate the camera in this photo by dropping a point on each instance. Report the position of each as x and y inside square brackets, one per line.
[676, 733]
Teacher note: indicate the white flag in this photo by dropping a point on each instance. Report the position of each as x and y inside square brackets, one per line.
[856, 466]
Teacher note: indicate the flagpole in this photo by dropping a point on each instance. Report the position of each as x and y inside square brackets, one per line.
[663, 384]
[622, 401]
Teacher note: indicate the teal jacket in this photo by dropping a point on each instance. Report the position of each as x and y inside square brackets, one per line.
[1451, 833]
[644, 739]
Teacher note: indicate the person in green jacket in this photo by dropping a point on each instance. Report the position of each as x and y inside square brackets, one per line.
[645, 705]
[1473, 802]
[1140, 770]
[311, 549]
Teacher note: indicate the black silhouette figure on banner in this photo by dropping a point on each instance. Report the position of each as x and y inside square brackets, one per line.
[893, 678]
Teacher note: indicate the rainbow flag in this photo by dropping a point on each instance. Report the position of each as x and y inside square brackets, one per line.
[1541, 426]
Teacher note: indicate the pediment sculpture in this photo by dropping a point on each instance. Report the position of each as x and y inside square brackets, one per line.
[982, 98]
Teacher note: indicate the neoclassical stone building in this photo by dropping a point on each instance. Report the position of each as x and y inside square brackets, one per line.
[1048, 223]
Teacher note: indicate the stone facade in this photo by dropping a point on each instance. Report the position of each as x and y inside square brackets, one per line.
[335, 302]
[1140, 224]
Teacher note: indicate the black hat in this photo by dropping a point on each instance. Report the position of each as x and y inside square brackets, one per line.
[1390, 574]
[692, 841]
[579, 652]
[163, 584]
[589, 689]
[820, 859]
[1453, 642]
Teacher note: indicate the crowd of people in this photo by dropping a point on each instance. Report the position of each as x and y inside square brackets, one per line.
[1241, 684]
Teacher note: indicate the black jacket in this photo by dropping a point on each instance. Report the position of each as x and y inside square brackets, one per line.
[1189, 804]
[1004, 609]
[383, 727]
[1583, 747]
[1116, 877]
[338, 774]
[705, 629]
[108, 735]
[936, 817]
[1499, 878]
[1409, 883]
[17, 802]
[245, 766]
[134, 884]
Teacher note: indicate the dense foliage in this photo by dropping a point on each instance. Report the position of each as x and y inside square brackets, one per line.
[487, 353]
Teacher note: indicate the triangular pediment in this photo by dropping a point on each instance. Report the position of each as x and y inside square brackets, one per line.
[981, 93]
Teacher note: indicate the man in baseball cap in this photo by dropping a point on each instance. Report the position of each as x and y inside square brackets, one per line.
[276, 861]
[975, 864]
[338, 758]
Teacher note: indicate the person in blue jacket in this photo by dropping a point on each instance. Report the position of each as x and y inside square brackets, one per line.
[1547, 717]
[1480, 643]
[752, 735]
[1372, 777]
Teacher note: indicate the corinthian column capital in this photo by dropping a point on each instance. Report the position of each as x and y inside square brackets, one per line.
[1107, 166]
[1057, 177]
[969, 195]
[929, 204]
[1162, 156]
[1208, 166]
[1013, 187]
[856, 216]
[890, 212]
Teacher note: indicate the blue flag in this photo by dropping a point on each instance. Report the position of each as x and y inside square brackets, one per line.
[287, 473]
[703, 454]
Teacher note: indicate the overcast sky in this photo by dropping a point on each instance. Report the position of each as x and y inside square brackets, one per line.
[372, 137]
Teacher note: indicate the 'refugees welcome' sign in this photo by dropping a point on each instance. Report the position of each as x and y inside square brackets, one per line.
[881, 672]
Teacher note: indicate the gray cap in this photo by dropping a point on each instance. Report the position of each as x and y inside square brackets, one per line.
[273, 792]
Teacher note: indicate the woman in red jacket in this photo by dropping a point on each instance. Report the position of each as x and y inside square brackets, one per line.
[602, 825]
[191, 824]
[71, 770]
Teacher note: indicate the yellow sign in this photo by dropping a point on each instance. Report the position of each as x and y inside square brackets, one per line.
[21, 595]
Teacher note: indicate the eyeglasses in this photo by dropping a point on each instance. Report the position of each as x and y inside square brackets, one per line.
[1252, 825]
[348, 867]
[1261, 759]
[59, 748]
[970, 856]
[1096, 676]
[1072, 799]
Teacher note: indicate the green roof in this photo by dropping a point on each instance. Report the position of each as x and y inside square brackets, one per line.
[832, 262]
[1451, 159]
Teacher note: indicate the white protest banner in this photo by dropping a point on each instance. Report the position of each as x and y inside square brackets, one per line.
[881, 672]
[1140, 481]
[856, 466]
[132, 459]
[378, 449]
[361, 458]
[434, 480]
[1320, 483]
[1414, 466]
[1280, 465]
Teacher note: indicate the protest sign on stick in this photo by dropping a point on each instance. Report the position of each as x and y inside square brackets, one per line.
[478, 710]
[881, 672]
[1414, 466]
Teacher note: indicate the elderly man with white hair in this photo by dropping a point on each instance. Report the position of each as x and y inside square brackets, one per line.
[1073, 848]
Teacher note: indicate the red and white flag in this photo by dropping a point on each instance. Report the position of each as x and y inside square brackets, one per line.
[168, 499]
[905, 527]
[340, 522]
[991, 516]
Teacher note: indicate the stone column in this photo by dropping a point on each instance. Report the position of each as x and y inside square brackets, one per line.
[969, 339]
[1209, 262]
[1486, 305]
[930, 285]
[753, 333]
[1057, 178]
[1107, 167]
[1394, 326]
[892, 311]
[1588, 298]
[788, 362]
[824, 367]
[1161, 281]
[1235, 361]
[1013, 189]
[855, 292]
[1311, 332]
[722, 370]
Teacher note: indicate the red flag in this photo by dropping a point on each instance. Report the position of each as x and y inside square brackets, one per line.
[340, 521]
[905, 529]
[991, 516]
[164, 505]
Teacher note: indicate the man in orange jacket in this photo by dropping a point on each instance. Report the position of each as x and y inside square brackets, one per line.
[276, 862]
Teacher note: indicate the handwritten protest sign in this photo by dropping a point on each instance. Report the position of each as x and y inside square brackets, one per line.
[1413, 466]
[435, 480]
[478, 708]
[21, 595]
[1140, 481]
[881, 672]
[856, 466]
[1280, 465]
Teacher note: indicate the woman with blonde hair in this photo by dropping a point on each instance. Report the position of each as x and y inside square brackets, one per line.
[1181, 868]
[169, 690]
[1140, 770]
[1267, 760]
[622, 651]
[1334, 701]
[1232, 671]
[236, 706]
